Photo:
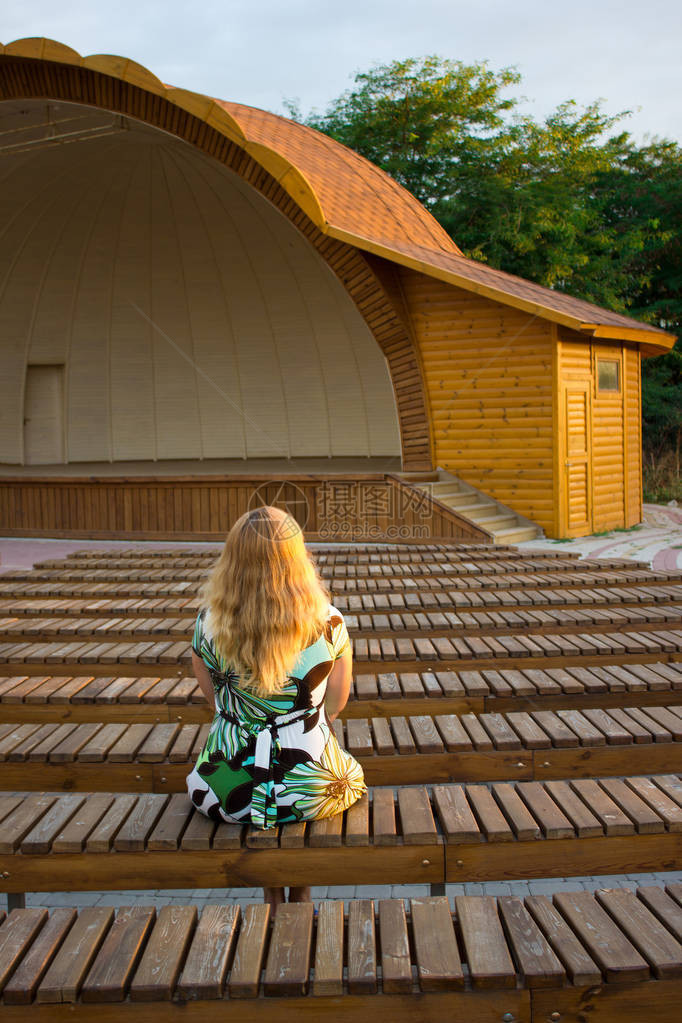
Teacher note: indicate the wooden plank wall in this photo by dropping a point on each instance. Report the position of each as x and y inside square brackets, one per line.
[336, 508]
[488, 372]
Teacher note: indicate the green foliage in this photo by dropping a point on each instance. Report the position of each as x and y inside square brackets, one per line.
[570, 202]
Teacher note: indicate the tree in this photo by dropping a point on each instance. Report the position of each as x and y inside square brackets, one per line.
[414, 118]
[570, 202]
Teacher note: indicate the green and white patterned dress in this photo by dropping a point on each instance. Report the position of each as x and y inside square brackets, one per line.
[270, 761]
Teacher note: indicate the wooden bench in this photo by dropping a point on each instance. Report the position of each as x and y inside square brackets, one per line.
[129, 695]
[574, 648]
[98, 582]
[454, 833]
[146, 757]
[616, 953]
[390, 622]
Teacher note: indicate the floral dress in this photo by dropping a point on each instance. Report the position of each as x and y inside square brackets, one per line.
[275, 760]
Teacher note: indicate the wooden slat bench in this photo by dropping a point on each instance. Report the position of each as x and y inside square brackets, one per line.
[158, 698]
[465, 607]
[148, 583]
[146, 757]
[166, 657]
[615, 952]
[392, 622]
[454, 833]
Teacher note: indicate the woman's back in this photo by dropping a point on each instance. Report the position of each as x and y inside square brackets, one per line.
[274, 759]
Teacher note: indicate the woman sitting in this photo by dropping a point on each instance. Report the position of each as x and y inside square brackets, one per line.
[273, 657]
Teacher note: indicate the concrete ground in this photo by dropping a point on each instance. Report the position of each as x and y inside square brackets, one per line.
[657, 541]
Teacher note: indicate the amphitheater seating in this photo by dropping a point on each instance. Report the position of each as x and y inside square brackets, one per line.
[516, 716]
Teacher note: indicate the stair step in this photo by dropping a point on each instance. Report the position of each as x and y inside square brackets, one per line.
[447, 486]
[469, 502]
[517, 534]
[500, 521]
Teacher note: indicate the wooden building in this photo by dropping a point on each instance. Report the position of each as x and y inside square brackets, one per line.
[190, 285]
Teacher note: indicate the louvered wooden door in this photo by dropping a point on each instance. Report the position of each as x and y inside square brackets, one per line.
[577, 470]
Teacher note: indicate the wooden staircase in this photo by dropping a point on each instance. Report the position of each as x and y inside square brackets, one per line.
[505, 525]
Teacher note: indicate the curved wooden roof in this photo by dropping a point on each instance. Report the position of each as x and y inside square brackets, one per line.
[351, 199]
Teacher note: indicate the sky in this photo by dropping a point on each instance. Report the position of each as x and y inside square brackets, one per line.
[626, 53]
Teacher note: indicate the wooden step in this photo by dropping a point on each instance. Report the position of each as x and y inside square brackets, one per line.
[80, 696]
[453, 833]
[530, 745]
[497, 958]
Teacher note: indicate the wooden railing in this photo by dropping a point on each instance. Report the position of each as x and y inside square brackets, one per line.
[362, 507]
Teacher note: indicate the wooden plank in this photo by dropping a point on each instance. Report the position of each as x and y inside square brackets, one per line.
[358, 737]
[210, 953]
[646, 820]
[381, 735]
[71, 839]
[328, 979]
[664, 908]
[21, 820]
[455, 815]
[426, 735]
[383, 818]
[112, 970]
[139, 823]
[455, 737]
[611, 817]
[417, 824]
[438, 963]
[534, 957]
[171, 824]
[250, 952]
[23, 984]
[582, 819]
[659, 801]
[580, 967]
[614, 954]
[489, 816]
[362, 959]
[652, 940]
[96, 749]
[357, 823]
[65, 976]
[524, 825]
[402, 735]
[198, 833]
[40, 837]
[162, 960]
[101, 839]
[554, 823]
[288, 961]
[16, 935]
[487, 955]
[396, 969]
[123, 752]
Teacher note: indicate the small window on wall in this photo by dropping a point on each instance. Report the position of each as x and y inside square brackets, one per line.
[608, 375]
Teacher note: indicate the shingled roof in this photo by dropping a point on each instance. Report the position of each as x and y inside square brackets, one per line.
[351, 199]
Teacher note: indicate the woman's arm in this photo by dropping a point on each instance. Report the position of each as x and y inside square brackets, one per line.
[338, 684]
[204, 679]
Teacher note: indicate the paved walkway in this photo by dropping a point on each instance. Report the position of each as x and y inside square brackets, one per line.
[656, 541]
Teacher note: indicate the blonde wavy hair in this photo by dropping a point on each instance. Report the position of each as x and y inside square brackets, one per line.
[264, 598]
